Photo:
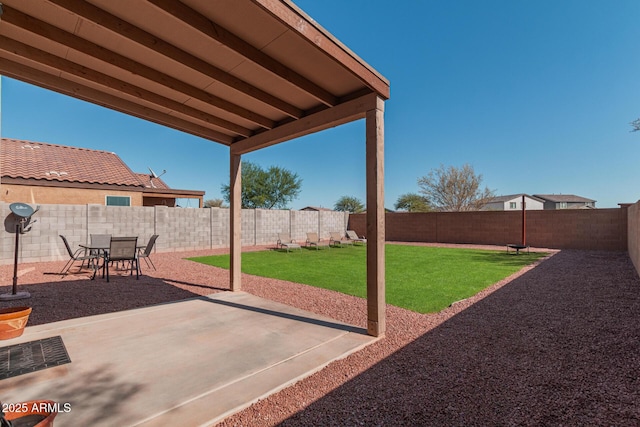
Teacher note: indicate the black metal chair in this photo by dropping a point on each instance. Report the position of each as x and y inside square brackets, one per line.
[100, 240]
[146, 251]
[122, 249]
[79, 255]
[98, 243]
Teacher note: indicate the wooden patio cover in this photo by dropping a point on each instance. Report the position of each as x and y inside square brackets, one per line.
[244, 73]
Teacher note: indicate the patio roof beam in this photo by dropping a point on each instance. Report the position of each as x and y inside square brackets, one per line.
[14, 17]
[216, 32]
[44, 58]
[324, 119]
[66, 87]
[288, 13]
[157, 45]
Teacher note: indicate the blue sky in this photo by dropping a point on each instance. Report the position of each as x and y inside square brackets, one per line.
[536, 95]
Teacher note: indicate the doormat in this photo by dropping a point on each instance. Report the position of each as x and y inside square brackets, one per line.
[19, 359]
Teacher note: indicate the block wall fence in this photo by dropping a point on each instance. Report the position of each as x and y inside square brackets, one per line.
[179, 229]
[194, 229]
[597, 229]
[633, 214]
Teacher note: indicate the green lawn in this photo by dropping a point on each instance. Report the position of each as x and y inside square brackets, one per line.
[418, 278]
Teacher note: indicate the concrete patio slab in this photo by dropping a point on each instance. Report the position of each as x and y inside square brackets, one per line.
[191, 362]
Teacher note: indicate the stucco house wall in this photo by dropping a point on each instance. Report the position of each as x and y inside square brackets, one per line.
[57, 195]
[514, 203]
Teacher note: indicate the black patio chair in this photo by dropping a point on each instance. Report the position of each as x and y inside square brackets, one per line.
[146, 251]
[122, 249]
[79, 255]
[98, 243]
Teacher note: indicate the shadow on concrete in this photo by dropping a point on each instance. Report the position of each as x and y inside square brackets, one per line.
[67, 299]
[557, 346]
[102, 391]
[290, 316]
[195, 285]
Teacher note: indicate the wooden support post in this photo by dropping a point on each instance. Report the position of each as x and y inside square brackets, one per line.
[235, 193]
[376, 324]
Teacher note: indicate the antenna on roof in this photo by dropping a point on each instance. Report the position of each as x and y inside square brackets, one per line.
[156, 176]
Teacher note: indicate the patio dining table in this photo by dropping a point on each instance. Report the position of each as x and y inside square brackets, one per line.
[101, 249]
[104, 248]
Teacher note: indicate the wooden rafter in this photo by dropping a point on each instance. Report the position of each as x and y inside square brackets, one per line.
[289, 14]
[22, 50]
[61, 85]
[236, 44]
[155, 44]
[43, 29]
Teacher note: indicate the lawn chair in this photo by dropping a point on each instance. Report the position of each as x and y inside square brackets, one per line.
[122, 249]
[314, 240]
[285, 241]
[79, 255]
[99, 241]
[351, 235]
[335, 238]
[146, 251]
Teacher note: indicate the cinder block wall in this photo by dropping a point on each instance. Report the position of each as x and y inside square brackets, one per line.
[332, 221]
[604, 229]
[179, 229]
[220, 223]
[633, 234]
[269, 223]
[303, 222]
[403, 226]
[248, 225]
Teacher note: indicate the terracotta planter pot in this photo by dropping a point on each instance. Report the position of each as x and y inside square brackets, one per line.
[12, 321]
[33, 413]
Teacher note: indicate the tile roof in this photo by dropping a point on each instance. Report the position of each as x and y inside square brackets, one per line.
[315, 208]
[50, 162]
[150, 182]
[506, 198]
[569, 198]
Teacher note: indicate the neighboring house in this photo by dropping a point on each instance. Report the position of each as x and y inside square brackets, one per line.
[40, 173]
[566, 201]
[315, 209]
[513, 202]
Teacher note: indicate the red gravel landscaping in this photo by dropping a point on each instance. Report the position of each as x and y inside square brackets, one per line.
[555, 344]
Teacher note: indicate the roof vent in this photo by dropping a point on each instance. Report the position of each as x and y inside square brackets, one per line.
[33, 147]
[56, 173]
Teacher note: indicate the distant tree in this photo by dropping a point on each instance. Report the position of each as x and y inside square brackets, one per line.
[273, 188]
[214, 203]
[412, 202]
[454, 189]
[635, 125]
[349, 204]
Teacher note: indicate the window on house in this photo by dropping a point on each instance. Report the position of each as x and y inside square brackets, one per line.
[513, 205]
[118, 201]
[563, 205]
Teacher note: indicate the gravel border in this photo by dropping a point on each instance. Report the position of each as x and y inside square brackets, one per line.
[557, 343]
